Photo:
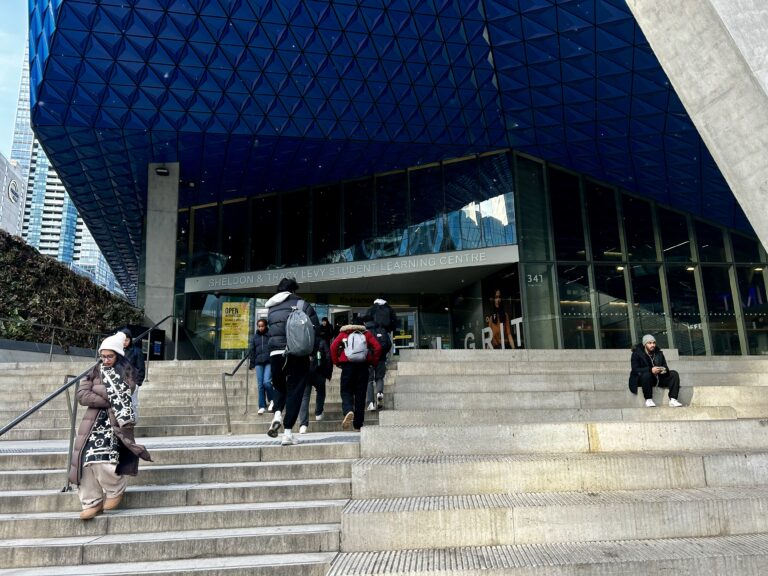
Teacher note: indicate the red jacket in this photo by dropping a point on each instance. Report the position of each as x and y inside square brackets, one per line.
[337, 346]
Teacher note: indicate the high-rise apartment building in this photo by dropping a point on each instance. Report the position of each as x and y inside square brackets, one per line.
[12, 191]
[50, 220]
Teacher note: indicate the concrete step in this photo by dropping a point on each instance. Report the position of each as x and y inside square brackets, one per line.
[502, 416]
[544, 518]
[743, 555]
[409, 357]
[401, 477]
[378, 441]
[747, 402]
[193, 544]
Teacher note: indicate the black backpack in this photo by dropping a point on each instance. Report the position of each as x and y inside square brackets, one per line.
[382, 317]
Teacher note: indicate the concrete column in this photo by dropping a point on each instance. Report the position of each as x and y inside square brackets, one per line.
[157, 285]
[715, 53]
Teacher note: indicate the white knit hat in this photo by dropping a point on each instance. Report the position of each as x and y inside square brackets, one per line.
[114, 343]
[648, 338]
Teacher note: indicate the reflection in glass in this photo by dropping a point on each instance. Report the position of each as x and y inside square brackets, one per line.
[391, 214]
[575, 307]
[686, 318]
[744, 249]
[648, 303]
[539, 305]
[675, 242]
[567, 224]
[612, 307]
[638, 227]
[295, 228]
[263, 232]
[603, 222]
[426, 230]
[182, 249]
[358, 219]
[755, 307]
[463, 216]
[498, 217]
[720, 312]
[326, 223]
[234, 235]
[534, 220]
[709, 240]
[206, 258]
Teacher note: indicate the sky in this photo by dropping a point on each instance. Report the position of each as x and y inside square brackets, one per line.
[13, 35]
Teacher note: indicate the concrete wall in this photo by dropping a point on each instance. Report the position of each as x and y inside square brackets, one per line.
[15, 351]
[715, 53]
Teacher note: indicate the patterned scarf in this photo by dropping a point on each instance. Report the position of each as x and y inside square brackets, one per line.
[102, 444]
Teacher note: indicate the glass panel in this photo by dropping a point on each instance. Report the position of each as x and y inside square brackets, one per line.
[709, 240]
[391, 214]
[205, 256]
[497, 202]
[426, 230]
[463, 212]
[326, 224]
[434, 322]
[264, 232]
[182, 249]
[686, 319]
[534, 222]
[638, 227]
[755, 306]
[650, 317]
[358, 219]
[675, 243]
[234, 237]
[744, 249]
[467, 317]
[295, 228]
[539, 313]
[603, 222]
[568, 226]
[575, 307]
[612, 307]
[720, 312]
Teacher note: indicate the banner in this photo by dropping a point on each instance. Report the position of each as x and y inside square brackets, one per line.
[235, 320]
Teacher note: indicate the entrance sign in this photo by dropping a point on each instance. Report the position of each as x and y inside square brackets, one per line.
[235, 320]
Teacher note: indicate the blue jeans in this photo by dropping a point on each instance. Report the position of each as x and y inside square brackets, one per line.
[264, 379]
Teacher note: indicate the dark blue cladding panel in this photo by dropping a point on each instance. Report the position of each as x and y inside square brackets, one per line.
[254, 96]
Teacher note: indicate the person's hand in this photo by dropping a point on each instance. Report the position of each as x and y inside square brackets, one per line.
[657, 370]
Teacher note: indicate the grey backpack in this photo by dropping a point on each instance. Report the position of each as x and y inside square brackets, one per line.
[356, 347]
[299, 332]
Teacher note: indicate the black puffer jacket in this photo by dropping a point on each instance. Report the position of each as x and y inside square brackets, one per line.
[280, 306]
[259, 348]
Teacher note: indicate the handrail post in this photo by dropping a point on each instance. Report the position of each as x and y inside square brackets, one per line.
[226, 401]
[146, 360]
[247, 386]
[50, 350]
[175, 339]
[72, 422]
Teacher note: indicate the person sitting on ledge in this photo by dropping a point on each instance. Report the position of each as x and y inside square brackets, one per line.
[649, 369]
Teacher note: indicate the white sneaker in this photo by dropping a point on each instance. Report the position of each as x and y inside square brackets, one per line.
[650, 403]
[371, 407]
[274, 427]
[380, 400]
[318, 417]
[289, 439]
[674, 403]
[271, 406]
[302, 429]
[346, 424]
[261, 410]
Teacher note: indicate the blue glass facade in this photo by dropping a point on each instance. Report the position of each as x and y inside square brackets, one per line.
[257, 97]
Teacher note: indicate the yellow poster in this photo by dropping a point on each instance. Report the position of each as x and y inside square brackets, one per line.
[235, 320]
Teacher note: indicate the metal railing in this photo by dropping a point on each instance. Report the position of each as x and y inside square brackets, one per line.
[224, 390]
[57, 335]
[71, 402]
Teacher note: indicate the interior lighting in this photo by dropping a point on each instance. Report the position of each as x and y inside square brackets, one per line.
[690, 268]
[162, 171]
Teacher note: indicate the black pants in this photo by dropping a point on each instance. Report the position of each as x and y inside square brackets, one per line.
[354, 381]
[289, 376]
[669, 380]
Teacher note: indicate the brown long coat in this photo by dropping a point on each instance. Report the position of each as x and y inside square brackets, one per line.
[93, 393]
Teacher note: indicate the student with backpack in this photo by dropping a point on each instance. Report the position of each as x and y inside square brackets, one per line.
[293, 328]
[353, 350]
[382, 322]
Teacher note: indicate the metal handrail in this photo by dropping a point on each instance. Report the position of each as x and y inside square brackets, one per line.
[55, 331]
[224, 389]
[66, 386]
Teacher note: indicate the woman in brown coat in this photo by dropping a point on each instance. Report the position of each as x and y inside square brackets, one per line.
[105, 451]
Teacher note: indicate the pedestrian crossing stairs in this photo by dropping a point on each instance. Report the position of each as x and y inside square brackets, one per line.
[178, 399]
[533, 462]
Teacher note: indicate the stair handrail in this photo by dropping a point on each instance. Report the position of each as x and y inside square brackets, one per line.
[54, 335]
[64, 387]
[224, 390]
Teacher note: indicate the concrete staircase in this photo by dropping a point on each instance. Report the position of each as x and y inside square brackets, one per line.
[542, 463]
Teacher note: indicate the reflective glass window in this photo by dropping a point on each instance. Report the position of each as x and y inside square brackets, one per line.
[638, 228]
[720, 310]
[612, 311]
[567, 223]
[206, 258]
[263, 232]
[709, 241]
[294, 214]
[684, 304]
[496, 200]
[234, 236]
[462, 209]
[603, 222]
[182, 248]
[650, 317]
[754, 305]
[326, 224]
[675, 241]
[391, 214]
[358, 219]
[540, 305]
[745, 249]
[426, 234]
[534, 220]
[575, 307]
